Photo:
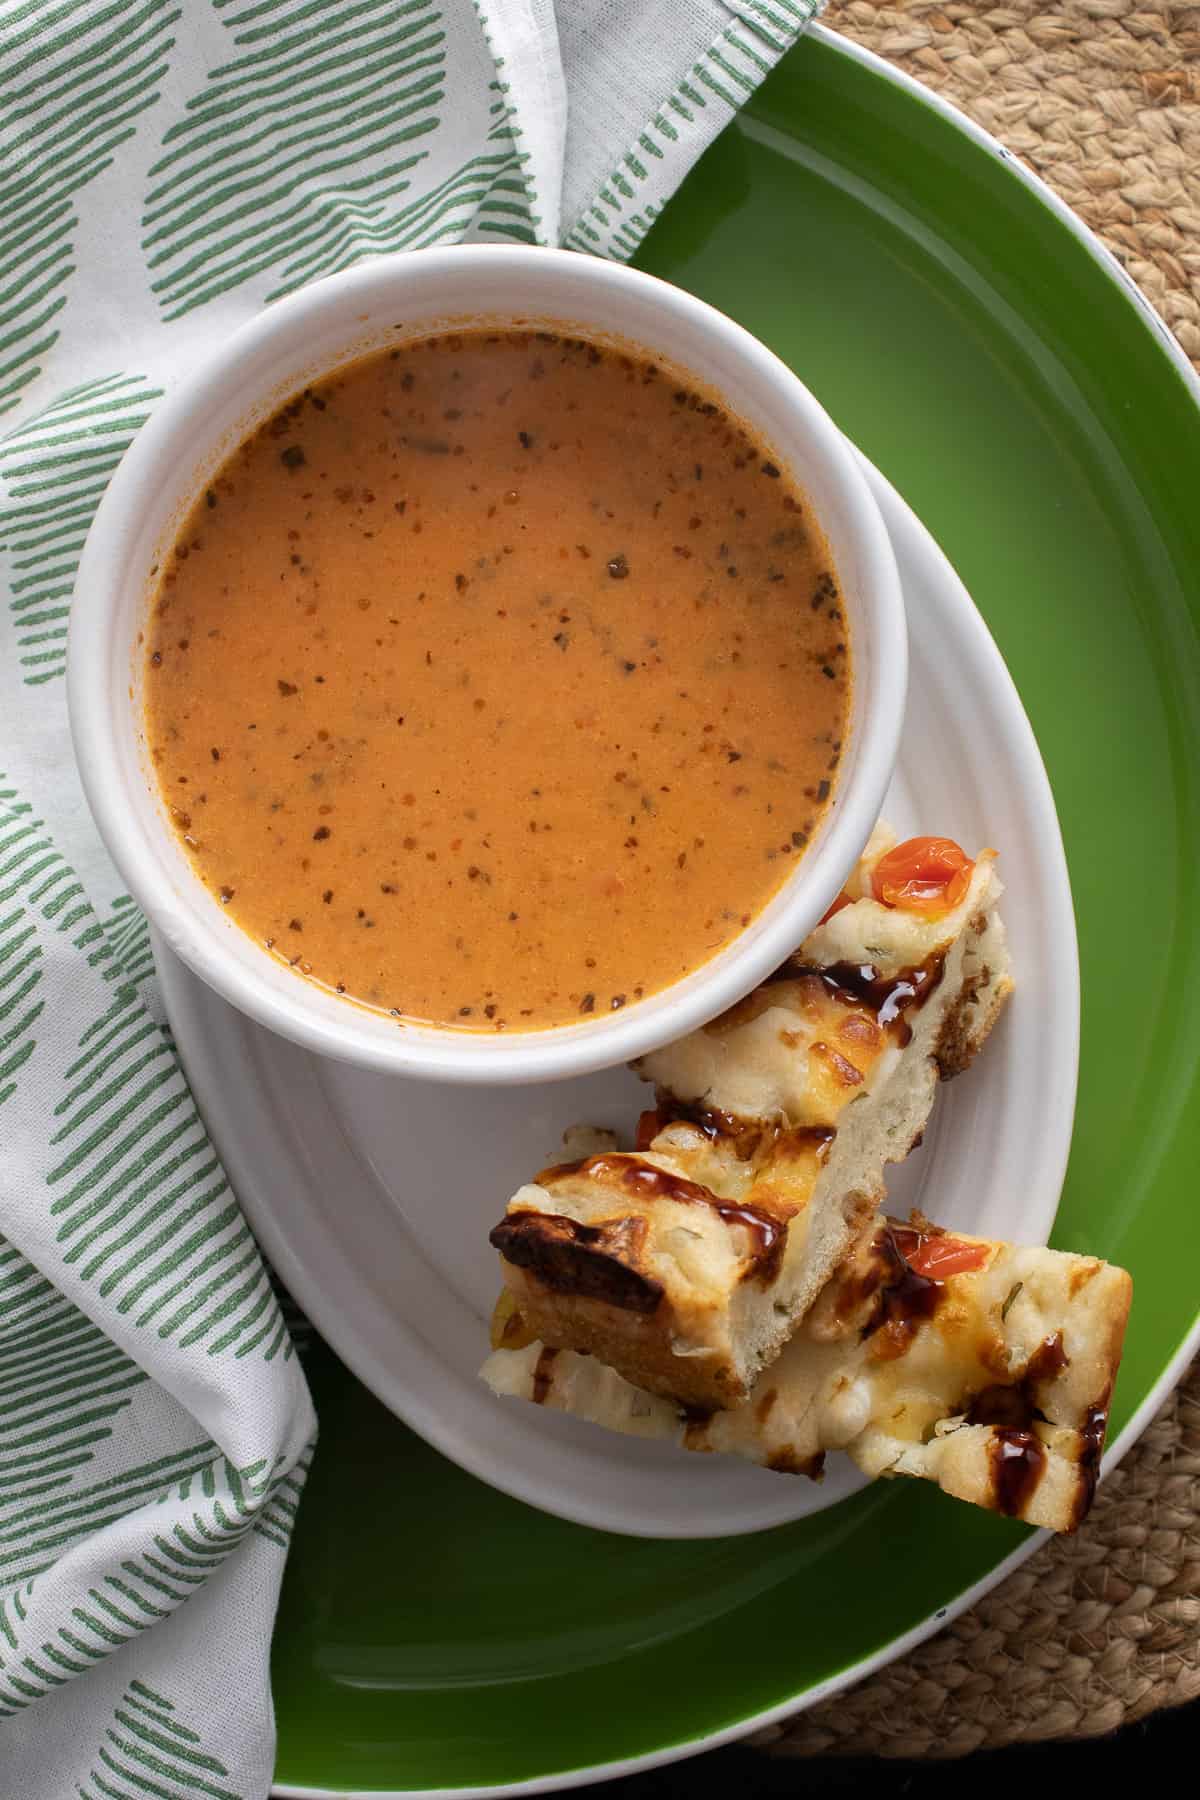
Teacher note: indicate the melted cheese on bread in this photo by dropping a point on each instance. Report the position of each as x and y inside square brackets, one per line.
[687, 1265]
[991, 1378]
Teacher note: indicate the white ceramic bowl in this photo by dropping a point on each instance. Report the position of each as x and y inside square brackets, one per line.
[305, 336]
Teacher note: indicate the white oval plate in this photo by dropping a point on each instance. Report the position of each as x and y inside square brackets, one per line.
[373, 1196]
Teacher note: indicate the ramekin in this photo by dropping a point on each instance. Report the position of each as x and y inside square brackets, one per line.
[303, 337]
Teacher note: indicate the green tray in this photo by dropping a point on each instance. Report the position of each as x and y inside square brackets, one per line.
[987, 356]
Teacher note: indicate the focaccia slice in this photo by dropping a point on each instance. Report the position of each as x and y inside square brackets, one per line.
[663, 1262]
[686, 1264]
[982, 1367]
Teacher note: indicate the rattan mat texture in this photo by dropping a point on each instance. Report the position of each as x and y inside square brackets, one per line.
[1102, 99]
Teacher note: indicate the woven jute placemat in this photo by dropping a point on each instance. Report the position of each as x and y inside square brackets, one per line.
[1102, 99]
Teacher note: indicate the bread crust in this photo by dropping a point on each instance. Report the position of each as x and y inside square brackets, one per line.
[686, 1264]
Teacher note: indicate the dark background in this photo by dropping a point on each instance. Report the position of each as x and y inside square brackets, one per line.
[1142, 1752]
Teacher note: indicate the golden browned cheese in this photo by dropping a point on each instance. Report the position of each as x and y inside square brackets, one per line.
[497, 681]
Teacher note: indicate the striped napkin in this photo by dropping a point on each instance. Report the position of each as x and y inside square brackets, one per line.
[166, 168]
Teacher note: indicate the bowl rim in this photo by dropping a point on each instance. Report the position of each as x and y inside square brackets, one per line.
[432, 1052]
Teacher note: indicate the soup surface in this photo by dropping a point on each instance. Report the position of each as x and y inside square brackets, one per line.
[497, 680]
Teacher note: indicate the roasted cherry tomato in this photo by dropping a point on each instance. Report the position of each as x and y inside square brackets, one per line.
[648, 1127]
[938, 1257]
[923, 874]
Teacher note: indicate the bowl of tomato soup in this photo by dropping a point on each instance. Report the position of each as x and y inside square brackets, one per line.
[487, 667]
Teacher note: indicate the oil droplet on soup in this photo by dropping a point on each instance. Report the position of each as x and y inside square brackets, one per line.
[498, 680]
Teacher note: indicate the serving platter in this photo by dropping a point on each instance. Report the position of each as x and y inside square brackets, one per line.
[438, 1636]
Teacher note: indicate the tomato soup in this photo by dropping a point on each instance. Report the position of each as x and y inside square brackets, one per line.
[498, 680]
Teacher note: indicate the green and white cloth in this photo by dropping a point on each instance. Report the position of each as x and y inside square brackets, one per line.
[166, 168]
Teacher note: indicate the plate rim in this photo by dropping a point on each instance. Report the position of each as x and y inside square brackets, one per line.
[1189, 1343]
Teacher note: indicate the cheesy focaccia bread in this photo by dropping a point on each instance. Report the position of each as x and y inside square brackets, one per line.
[686, 1263]
[984, 1368]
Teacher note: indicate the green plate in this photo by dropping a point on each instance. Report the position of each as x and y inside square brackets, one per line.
[975, 343]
